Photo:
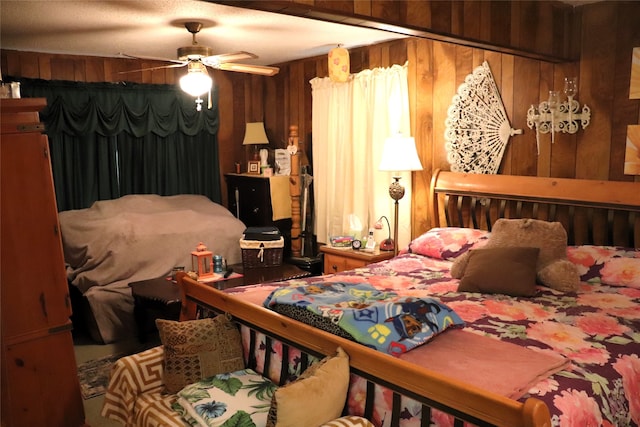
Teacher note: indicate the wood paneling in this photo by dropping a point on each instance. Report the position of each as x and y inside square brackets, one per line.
[534, 28]
[596, 89]
[608, 32]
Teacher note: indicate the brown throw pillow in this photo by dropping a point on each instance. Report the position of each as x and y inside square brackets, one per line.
[197, 349]
[509, 271]
[553, 269]
[316, 397]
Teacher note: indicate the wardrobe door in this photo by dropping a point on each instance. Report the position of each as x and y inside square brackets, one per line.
[39, 377]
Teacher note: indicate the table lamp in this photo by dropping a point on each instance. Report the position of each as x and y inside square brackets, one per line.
[255, 135]
[399, 154]
[387, 244]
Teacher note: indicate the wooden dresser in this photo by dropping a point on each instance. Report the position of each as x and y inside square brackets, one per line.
[342, 259]
[40, 384]
[250, 201]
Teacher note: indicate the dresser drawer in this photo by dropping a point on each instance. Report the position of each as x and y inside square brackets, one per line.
[336, 264]
[337, 260]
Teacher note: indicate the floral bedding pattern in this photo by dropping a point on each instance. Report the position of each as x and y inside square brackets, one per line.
[607, 264]
[597, 328]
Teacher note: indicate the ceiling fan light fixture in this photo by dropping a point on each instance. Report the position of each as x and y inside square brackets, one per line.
[186, 53]
[197, 81]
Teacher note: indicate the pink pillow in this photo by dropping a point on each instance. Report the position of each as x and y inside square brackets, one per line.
[447, 243]
[609, 265]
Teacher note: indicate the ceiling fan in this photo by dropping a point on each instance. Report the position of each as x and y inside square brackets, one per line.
[197, 57]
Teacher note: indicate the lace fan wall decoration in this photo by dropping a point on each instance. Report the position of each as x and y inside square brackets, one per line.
[477, 126]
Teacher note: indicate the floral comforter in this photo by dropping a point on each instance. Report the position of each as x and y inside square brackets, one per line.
[597, 328]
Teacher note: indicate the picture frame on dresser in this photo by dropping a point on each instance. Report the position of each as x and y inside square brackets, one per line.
[253, 167]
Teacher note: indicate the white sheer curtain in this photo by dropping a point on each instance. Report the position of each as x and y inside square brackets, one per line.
[350, 124]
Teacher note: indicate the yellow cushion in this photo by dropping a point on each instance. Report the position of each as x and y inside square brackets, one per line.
[316, 397]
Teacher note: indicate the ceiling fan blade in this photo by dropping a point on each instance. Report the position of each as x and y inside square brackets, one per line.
[151, 58]
[250, 69]
[214, 60]
[153, 68]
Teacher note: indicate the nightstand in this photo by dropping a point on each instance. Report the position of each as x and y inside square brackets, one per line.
[153, 299]
[159, 298]
[341, 259]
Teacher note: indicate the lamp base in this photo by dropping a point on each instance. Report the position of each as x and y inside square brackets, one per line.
[396, 190]
[387, 245]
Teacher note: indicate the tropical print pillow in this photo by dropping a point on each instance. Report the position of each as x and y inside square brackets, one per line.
[609, 265]
[240, 398]
[447, 243]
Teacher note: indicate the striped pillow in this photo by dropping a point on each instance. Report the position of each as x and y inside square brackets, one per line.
[349, 421]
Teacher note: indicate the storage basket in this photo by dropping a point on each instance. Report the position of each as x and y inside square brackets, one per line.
[261, 253]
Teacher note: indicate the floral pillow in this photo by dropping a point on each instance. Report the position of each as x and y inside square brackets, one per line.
[238, 398]
[609, 265]
[447, 243]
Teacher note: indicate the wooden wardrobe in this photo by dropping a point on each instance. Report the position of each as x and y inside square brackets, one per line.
[40, 384]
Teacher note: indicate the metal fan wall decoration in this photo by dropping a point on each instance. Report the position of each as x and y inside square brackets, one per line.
[477, 126]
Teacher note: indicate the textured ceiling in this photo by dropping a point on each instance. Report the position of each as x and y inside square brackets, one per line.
[155, 28]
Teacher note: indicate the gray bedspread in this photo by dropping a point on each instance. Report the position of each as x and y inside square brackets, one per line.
[138, 237]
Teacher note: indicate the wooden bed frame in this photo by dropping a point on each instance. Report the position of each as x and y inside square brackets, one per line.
[592, 211]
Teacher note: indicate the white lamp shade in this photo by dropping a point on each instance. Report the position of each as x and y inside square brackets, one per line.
[255, 134]
[399, 154]
[196, 82]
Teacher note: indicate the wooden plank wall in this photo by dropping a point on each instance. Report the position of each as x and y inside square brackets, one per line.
[608, 31]
[538, 27]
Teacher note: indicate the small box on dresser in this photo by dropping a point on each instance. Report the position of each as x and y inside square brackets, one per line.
[261, 247]
[256, 253]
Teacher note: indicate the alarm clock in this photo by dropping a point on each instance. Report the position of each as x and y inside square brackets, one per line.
[356, 244]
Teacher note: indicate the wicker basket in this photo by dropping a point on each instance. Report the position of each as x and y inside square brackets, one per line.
[259, 253]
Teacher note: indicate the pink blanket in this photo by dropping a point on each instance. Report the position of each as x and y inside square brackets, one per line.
[485, 362]
[488, 363]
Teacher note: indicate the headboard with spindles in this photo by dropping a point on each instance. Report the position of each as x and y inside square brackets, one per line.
[592, 212]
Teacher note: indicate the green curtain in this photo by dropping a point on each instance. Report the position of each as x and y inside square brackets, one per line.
[112, 139]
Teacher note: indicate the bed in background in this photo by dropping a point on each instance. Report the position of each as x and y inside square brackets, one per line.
[595, 328]
[136, 237]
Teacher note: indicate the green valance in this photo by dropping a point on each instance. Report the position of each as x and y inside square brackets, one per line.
[108, 140]
[79, 108]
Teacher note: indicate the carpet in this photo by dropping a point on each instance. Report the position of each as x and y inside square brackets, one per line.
[94, 375]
